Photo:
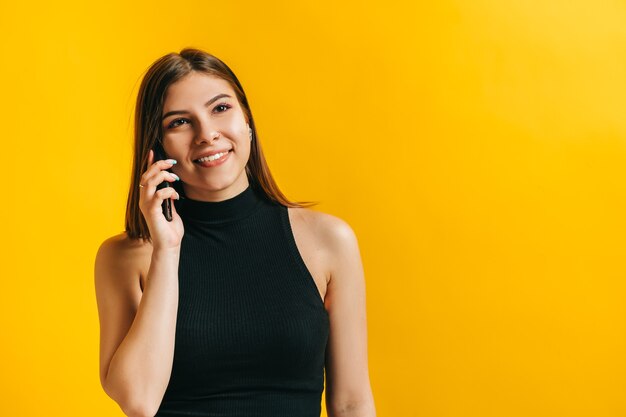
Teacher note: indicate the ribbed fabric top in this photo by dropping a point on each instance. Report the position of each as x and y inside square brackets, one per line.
[251, 329]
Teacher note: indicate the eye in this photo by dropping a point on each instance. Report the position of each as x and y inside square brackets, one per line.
[227, 106]
[174, 123]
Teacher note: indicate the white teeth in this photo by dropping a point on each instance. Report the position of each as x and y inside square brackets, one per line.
[212, 157]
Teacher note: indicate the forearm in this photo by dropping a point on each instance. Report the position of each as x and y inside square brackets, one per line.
[140, 369]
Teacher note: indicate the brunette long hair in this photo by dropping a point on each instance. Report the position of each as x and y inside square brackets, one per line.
[148, 130]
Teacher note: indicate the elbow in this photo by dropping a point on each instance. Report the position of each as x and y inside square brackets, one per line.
[139, 410]
[353, 407]
[353, 410]
[132, 403]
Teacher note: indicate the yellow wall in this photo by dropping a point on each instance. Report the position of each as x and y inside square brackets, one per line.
[476, 147]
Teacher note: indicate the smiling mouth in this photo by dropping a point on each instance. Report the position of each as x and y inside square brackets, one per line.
[211, 158]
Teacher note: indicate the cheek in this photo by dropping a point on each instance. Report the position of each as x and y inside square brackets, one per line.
[245, 132]
[237, 124]
[175, 146]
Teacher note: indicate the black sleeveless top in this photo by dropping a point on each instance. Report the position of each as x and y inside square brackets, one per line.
[251, 329]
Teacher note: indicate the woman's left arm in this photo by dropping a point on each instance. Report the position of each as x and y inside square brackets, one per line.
[348, 390]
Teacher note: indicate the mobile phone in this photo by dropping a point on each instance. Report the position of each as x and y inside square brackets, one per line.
[159, 154]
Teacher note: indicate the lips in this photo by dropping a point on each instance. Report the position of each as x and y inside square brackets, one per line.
[215, 163]
[209, 153]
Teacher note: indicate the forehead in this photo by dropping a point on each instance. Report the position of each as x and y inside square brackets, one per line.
[194, 89]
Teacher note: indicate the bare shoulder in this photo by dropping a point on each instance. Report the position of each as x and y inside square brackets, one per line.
[331, 229]
[124, 249]
[333, 236]
[123, 256]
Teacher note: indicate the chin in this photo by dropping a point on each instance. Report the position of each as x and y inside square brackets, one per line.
[220, 184]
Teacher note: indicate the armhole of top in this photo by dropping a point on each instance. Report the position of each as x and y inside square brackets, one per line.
[297, 256]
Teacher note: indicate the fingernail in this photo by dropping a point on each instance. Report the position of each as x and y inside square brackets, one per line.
[171, 161]
[175, 176]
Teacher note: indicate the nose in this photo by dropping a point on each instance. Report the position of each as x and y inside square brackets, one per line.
[206, 133]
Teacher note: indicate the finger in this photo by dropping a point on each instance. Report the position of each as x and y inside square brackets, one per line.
[162, 176]
[169, 192]
[153, 182]
[154, 170]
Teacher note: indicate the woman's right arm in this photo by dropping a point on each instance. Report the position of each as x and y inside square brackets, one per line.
[136, 330]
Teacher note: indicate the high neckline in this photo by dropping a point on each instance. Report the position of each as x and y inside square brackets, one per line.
[216, 212]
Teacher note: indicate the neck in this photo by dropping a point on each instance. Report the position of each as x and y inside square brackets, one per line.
[215, 196]
[230, 209]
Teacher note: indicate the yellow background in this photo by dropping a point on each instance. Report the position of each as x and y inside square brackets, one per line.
[476, 147]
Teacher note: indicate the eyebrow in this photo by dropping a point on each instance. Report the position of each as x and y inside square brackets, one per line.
[207, 104]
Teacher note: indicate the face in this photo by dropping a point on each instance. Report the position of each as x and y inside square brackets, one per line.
[195, 109]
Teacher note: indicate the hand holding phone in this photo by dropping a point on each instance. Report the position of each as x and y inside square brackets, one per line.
[166, 228]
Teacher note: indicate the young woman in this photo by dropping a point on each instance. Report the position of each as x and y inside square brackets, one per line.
[244, 301]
